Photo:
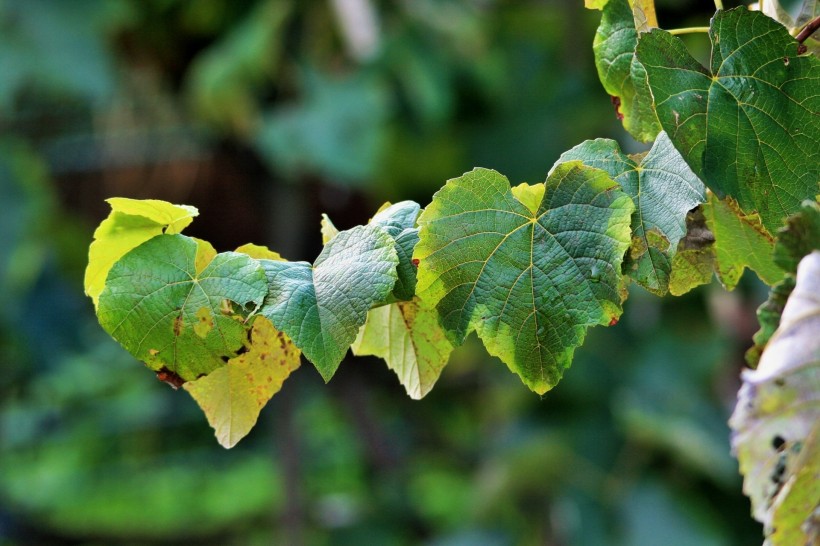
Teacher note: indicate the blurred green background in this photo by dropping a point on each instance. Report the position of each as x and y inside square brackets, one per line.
[264, 114]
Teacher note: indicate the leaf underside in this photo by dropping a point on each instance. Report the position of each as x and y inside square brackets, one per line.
[776, 422]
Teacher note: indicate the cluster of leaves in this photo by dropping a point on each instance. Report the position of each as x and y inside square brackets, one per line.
[530, 267]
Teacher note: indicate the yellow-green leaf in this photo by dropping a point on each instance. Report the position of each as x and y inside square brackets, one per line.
[232, 396]
[131, 223]
[409, 338]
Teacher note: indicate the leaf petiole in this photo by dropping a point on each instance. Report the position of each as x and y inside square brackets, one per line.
[688, 30]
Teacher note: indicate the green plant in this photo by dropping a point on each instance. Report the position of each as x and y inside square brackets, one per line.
[530, 267]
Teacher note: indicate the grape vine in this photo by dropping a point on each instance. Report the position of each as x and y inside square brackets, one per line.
[731, 181]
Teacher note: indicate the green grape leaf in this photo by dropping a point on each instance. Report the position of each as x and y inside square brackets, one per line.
[232, 396]
[170, 303]
[799, 237]
[777, 419]
[740, 241]
[131, 223]
[321, 307]
[749, 126]
[621, 74]
[399, 221]
[663, 188]
[529, 283]
[409, 338]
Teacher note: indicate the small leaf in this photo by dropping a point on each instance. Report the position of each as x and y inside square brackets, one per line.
[321, 307]
[329, 231]
[749, 125]
[131, 223]
[529, 283]
[663, 188]
[232, 396]
[620, 73]
[169, 314]
[409, 338]
[259, 252]
[777, 419]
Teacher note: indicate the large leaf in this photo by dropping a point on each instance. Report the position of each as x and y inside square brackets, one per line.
[777, 420]
[663, 188]
[321, 307]
[170, 303]
[409, 338]
[621, 74]
[749, 126]
[528, 281]
[232, 396]
[131, 222]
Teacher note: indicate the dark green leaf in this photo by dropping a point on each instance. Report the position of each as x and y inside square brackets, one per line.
[749, 126]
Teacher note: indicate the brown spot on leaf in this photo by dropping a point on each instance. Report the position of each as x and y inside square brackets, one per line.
[167, 376]
[616, 103]
[178, 325]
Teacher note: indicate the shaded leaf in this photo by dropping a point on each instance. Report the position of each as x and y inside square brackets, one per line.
[777, 419]
[322, 306]
[409, 338]
[749, 125]
[232, 396]
[175, 316]
[620, 73]
[529, 283]
[131, 223]
[694, 261]
[663, 188]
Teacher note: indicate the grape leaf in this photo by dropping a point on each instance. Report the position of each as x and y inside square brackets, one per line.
[169, 302]
[749, 126]
[329, 231]
[694, 261]
[777, 419]
[663, 188]
[740, 241]
[409, 338]
[321, 307]
[530, 283]
[621, 74]
[796, 239]
[130, 223]
[232, 396]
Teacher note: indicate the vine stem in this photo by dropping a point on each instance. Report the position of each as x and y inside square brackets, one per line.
[810, 28]
[688, 30]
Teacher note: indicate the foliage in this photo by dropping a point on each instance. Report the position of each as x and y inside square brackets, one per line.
[361, 292]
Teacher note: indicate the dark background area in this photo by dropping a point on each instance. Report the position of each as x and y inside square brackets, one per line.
[264, 114]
